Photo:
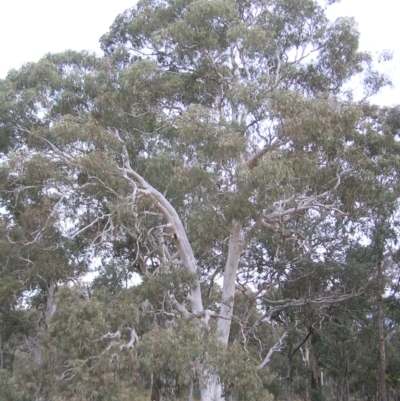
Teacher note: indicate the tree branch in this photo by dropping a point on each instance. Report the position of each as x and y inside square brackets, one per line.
[275, 348]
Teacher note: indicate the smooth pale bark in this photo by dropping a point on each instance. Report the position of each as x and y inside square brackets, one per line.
[189, 392]
[177, 230]
[51, 302]
[49, 312]
[275, 348]
[236, 244]
[213, 390]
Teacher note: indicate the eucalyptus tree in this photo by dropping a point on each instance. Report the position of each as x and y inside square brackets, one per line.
[213, 139]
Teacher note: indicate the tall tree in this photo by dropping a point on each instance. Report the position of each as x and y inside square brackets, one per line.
[212, 139]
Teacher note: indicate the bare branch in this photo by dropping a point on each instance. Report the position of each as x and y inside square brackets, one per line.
[275, 348]
[134, 339]
[88, 226]
[319, 303]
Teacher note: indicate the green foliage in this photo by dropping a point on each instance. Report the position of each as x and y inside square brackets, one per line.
[239, 372]
[176, 353]
[73, 360]
[234, 111]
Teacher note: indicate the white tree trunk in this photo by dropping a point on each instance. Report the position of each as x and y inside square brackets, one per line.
[236, 244]
[51, 302]
[177, 230]
[212, 391]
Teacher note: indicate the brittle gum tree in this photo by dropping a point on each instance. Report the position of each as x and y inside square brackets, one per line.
[209, 136]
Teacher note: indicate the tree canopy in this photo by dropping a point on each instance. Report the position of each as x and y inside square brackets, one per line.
[230, 205]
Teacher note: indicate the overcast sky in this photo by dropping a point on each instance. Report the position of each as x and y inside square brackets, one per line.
[31, 28]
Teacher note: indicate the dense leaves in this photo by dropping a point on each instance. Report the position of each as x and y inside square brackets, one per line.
[231, 209]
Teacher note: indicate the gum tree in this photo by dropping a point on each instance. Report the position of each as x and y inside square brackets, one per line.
[217, 139]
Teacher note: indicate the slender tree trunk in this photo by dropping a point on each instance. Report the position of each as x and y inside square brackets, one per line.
[212, 391]
[316, 386]
[162, 390]
[228, 288]
[382, 347]
[211, 387]
[51, 302]
[287, 379]
[316, 382]
[306, 392]
[1, 354]
[47, 315]
[288, 362]
[346, 390]
[189, 392]
[155, 392]
[338, 390]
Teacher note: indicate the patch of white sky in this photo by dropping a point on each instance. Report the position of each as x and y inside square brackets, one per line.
[379, 31]
[30, 29]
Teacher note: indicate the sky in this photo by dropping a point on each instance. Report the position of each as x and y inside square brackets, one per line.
[31, 28]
